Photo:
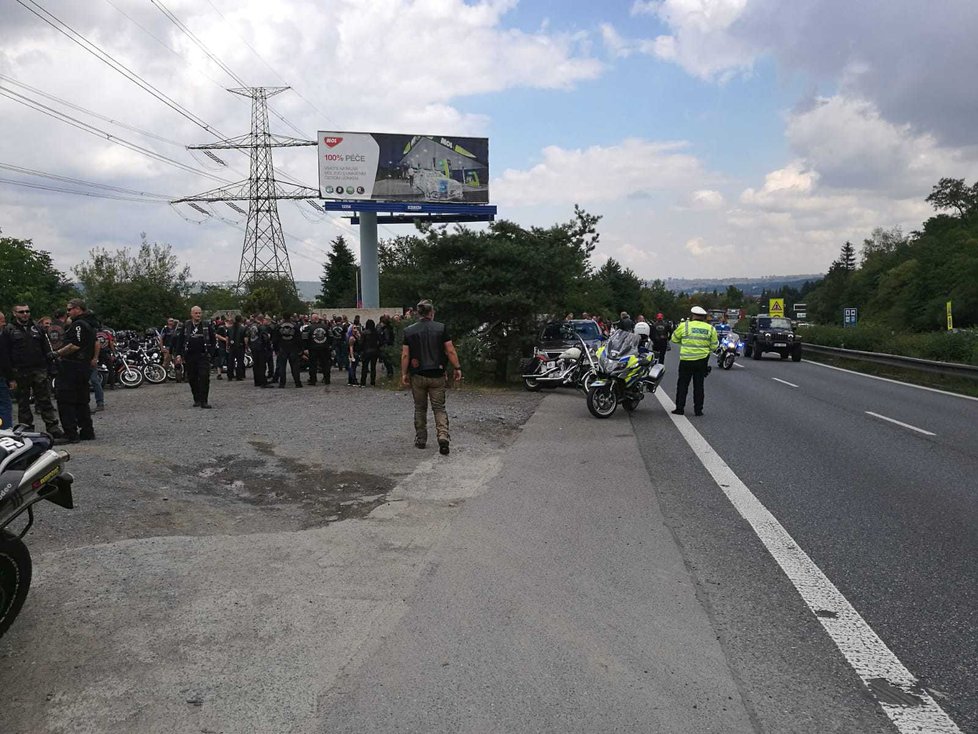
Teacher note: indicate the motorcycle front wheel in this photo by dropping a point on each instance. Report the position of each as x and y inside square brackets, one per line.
[587, 380]
[154, 373]
[728, 361]
[602, 402]
[15, 578]
[131, 378]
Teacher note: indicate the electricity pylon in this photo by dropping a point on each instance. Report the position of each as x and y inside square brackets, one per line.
[264, 252]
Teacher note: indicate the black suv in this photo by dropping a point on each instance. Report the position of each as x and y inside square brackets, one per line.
[772, 334]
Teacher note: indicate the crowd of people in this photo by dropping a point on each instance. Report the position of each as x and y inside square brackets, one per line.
[81, 352]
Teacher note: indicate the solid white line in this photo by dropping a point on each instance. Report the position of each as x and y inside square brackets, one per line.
[900, 423]
[859, 644]
[895, 382]
[738, 364]
[784, 382]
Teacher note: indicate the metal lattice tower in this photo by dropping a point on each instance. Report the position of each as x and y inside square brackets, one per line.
[264, 252]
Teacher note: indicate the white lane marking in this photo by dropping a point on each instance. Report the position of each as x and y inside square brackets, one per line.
[738, 364]
[895, 382]
[900, 423]
[862, 648]
[784, 382]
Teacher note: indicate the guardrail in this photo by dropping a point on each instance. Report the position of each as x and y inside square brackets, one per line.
[948, 369]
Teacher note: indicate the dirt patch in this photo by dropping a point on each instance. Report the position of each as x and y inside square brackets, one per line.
[321, 494]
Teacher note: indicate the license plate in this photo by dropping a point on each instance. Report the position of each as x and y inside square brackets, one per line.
[780, 344]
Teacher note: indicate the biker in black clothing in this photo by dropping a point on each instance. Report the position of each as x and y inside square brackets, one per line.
[320, 346]
[288, 345]
[194, 348]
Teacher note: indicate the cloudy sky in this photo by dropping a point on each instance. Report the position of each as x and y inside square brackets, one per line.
[715, 137]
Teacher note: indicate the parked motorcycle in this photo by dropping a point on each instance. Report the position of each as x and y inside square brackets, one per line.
[149, 361]
[729, 349]
[624, 375]
[129, 375]
[31, 470]
[574, 367]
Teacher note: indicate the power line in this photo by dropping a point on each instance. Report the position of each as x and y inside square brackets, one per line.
[227, 70]
[159, 40]
[106, 58]
[91, 129]
[92, 194]
[81, 182]
[66, 103]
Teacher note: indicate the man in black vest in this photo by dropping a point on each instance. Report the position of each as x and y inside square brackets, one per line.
[288, 345]
[236, 349]
[427, 349]
[256, 338]
[76, 356]
[320, 346]
[661, 331]
[194, 348]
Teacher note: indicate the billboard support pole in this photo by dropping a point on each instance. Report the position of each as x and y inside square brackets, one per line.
[369, 280]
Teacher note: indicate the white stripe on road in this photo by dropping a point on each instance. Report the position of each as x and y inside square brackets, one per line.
[900, 423]
[868, 655]
[784, 382]
[738, 364]
[895, 382]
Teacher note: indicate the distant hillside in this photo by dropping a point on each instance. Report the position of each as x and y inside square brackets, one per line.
[750, 286]
[308, 289]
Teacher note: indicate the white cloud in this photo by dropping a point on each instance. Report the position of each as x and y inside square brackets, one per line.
[705, 199]
[600, 173]
[396, 66]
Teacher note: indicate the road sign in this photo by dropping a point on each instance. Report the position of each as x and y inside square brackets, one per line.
[849, 316]
[950, 321]
[798, 307]
[776, 307]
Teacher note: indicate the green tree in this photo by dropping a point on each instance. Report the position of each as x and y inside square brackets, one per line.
[656, 298]
[272, 295]
[339, 279]
[213, 298]
[27, 276]
[134, 290]
[495, 282]
[623, 287]
[954, 193]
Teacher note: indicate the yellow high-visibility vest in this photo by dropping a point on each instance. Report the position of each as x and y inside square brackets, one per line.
[696, 340]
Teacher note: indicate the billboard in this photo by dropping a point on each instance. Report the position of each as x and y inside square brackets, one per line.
[391, 167]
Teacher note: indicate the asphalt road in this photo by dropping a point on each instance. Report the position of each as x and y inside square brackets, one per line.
[571, 575]
[885, 509]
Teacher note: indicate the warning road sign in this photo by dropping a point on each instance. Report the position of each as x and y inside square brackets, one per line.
[776, 307]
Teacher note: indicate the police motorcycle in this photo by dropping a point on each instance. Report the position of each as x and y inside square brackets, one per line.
[624, 373]
[574, 367]
[31, 470]
[729, 349]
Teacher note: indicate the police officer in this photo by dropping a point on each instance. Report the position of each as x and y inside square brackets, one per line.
[30, 352]
[76, 356]
[427, 349]
[320, 346]
[288, 346]
[195, 346]
[697, 340]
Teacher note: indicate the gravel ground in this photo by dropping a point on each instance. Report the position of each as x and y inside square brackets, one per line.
[260, 461]
[222, 567]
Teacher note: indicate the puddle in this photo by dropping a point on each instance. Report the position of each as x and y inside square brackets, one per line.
[321, 495]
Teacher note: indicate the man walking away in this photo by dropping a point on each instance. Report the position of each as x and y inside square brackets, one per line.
[76, 355]
[30, 351]
[660, 338]
[320, 346]
[194, 347]
[369, 351]
[288, 347]
[697, 340]
[236, 349]
[427, 349]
